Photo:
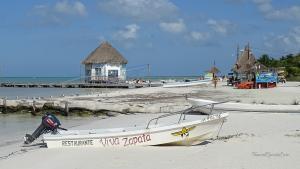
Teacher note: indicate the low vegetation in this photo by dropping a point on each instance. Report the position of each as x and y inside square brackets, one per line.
[291, 64]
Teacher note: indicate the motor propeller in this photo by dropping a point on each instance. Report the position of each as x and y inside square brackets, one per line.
[49, 123]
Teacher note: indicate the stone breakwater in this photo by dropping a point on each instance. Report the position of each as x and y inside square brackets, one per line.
[115, 106]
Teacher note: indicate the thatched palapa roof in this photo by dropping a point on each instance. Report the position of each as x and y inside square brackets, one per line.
[214, 69]
[246, 62]
[105, 53]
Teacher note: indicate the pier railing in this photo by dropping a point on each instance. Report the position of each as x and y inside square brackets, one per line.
[103, 79]
[78, 82]
[182, 113]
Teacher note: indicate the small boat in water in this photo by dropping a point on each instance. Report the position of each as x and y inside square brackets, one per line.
[187, 83]
[182, 129]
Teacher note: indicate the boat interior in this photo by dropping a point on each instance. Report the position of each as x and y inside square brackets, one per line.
[159, 121]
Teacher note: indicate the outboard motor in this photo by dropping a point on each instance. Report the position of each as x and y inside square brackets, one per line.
[49, 124]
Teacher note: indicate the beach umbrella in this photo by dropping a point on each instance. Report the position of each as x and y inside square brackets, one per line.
[214, 70]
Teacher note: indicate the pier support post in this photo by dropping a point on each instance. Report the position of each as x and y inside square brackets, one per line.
[67, 108]
[4, 105]
[34, 106]
[148, 74]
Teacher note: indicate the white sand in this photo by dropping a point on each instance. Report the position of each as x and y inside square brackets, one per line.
[263, 140]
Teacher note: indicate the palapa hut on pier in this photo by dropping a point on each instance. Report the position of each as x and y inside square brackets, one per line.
[105, 63]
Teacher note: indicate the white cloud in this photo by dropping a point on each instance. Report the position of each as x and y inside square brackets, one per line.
[129, 33]
[101, 38]
[173, 27]
[59, 13]
[285, 42]
[291, 13]
[199, 36]
[266, 7]
[143, 10]
[75, 8]
[222, 27]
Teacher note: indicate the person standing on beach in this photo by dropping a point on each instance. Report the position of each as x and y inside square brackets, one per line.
[215, 81]
[214, 71]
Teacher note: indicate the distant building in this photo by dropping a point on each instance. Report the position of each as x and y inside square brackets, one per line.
[105, 63]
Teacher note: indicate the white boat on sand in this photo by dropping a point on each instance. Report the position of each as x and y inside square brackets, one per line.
[241, 107]
[187, 83]
[181, 129]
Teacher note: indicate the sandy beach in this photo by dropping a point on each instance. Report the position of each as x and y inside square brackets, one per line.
[247, 139]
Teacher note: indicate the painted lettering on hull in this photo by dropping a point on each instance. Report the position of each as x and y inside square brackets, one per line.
[125, 141]
[109, 142]
[136, 140]
[77, 143]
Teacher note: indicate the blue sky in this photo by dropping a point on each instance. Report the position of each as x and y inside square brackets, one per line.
[176, 37]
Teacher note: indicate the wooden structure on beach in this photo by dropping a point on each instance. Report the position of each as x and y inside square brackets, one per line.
[246, 65]
[105, 63]
[249, 73]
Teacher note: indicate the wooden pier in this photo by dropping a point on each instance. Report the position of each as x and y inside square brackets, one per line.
[76, 85]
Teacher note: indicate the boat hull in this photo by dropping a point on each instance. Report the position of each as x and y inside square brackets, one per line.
[205, 105]
[184, 133]
[186, 84]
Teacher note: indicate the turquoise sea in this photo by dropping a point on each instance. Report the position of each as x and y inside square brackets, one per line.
[36, 80]
[12, 93]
